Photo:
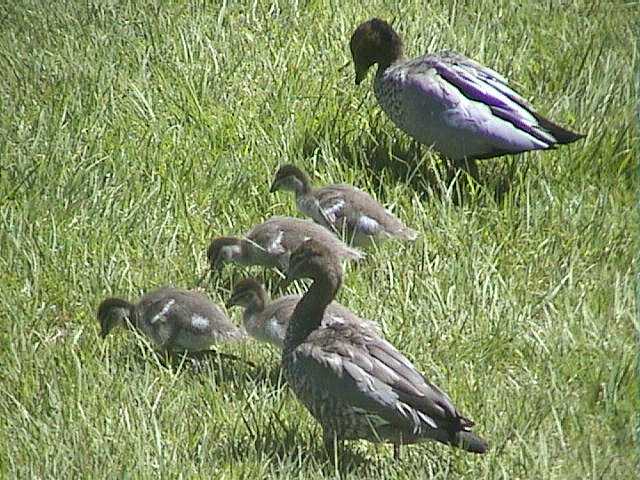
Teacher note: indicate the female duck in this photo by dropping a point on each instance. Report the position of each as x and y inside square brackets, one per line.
[270, 244]
[267, 320]
[342, 208]
[356, 384]
[463, 109]
[172, 318]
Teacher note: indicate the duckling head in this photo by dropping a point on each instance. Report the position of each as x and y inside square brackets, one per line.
[222, 250]
[290, 178]
[247, 292]
[374, 41]
[113, 312]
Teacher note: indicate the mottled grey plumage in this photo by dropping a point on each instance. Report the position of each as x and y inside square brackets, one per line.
[343, 209]
[271, 242]
[267, 320]
[356, 384]
[445, 100]
[174, 319]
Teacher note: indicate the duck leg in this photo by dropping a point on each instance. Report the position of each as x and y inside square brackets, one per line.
[332, 444]
[506, 183]
[469, 167]
[396, 451]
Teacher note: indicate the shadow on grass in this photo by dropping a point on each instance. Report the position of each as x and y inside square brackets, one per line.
[282, 445]
[385, 159]
[415, 165]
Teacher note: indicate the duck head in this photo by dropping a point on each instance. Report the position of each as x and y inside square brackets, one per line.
[113, 312]
[290, 178]
[223, 250]
[315, 261]
[374, 41]
[248, 293]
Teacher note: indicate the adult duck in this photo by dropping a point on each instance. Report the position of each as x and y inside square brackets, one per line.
[356, 384]
[445, 100]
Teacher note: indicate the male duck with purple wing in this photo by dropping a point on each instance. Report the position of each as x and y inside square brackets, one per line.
[462, 109]
[355, 383]
[343, 209]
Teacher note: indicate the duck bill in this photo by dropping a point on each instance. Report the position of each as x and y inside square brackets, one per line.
[360, 74]
[274, 187]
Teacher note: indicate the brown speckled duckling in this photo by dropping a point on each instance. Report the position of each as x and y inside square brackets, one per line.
[174, 319]
[267, 320]
[356, 384]
[343, 209]
[271, 242]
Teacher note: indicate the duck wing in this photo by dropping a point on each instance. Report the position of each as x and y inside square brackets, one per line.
[460, 96]
[346, 206]
[374, 379]
[171, 313]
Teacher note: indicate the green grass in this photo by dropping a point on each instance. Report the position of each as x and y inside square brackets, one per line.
[131, 134]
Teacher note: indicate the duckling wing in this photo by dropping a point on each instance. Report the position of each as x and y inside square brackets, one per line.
[360, 212]
[374, 379]
[268, 237]
[195, 315]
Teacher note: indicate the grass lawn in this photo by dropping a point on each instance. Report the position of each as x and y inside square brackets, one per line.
[131, 133]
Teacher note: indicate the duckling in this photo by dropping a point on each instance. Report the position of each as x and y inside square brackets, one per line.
[270, 244]
[172, 318]
[355, 383]
[445, 100]
[267, 320]
[344, 209]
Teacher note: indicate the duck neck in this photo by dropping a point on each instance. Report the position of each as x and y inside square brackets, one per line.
[303, 185]
[309, 311]
[384, 65]
[243, 253]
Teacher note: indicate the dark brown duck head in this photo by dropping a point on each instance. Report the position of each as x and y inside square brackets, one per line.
[223, 250]
[315, 261]
[248, 293]
[113, 312]
[374, 41]
[291, 178]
